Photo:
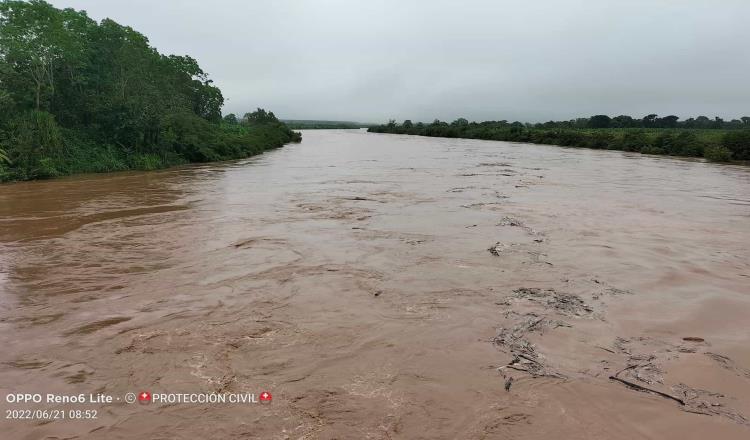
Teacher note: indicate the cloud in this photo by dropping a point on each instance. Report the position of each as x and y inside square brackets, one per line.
[370, 61]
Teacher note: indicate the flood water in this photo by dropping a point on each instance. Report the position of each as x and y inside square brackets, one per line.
[385, 286]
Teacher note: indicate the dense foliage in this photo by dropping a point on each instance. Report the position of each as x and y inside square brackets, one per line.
[698, 137]
[81, 96]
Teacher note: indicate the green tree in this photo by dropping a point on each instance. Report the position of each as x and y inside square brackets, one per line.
[30, 35]
[77, 95]
[649, 121]
[260, 116]
[668, 121]
[206, 99]
[599, 121]
[622, 121]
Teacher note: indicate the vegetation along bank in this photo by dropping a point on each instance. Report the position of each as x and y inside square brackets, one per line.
[78, 96]
[714, 139]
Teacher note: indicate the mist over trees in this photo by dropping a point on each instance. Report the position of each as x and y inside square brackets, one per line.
[81, 96]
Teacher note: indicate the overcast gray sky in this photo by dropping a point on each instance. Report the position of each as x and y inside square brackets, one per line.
[530, 60]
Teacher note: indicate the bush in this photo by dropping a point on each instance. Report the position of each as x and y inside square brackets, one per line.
[735, 144]
[146, 162]
[634, 141]
[717, 154]
[687, 144]
[34, 141]
[738, 142]
[601, 140]
[4, 171]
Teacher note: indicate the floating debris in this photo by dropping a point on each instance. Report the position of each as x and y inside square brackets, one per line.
[693, 339]
[510, 221]
[637, 387]
[497, 248]
[563, 302]
[729, 364]
[525, 356]
[708, 403]
[508, 383]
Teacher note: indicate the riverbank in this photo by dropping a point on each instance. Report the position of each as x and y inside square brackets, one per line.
[715, 145]
[193, 142]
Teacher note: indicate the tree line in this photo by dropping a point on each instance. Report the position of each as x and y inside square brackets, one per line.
[311, 124]
[81, 96]
[715, 139]
[650, 121]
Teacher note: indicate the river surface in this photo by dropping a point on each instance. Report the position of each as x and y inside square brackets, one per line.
[385, 286]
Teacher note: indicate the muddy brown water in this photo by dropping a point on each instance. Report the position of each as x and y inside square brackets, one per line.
[350, 276]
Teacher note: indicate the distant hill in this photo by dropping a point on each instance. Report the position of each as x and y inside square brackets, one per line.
[308, 124]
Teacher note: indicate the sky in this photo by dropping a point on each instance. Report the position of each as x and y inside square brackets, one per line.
[527, 60]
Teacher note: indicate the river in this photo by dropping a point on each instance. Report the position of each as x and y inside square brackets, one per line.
[386, 286]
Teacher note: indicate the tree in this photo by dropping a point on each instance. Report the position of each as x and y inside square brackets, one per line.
[702, 122]
[7, 103]
[668, 121]
[622, 121]
[231, 119]
[733, 124]
[259, 117]
[77, 95]
[407, 124]
[599, 121]
[30, 33]
[649, 121]
[206, 99]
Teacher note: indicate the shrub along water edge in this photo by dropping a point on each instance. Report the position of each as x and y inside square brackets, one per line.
[721, 145]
